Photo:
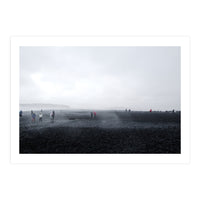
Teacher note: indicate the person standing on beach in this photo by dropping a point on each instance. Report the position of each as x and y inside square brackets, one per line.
[33, 116]
[52, 115]
[20, 113]
[91, 115]
[40, 116]
[95, 114]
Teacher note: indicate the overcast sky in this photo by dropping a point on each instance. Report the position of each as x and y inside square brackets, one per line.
[138, 78]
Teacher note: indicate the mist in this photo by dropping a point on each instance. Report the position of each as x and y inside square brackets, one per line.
[138, 78]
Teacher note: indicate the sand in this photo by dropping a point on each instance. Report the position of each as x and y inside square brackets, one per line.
[111, 132]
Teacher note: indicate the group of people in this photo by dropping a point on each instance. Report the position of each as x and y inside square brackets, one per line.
[129, 110]
[33, 115]
[93, 115]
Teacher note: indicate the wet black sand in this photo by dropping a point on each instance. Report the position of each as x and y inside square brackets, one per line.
[110, 132]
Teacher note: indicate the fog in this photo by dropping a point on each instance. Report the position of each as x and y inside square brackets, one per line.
[137, 78]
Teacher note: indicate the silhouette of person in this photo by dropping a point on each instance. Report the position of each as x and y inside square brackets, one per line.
[91, 115]
[52, 115]
[40, 116]
[20, 113]
[33, 116]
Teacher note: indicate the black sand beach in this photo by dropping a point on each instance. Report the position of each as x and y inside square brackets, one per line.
[110, 132]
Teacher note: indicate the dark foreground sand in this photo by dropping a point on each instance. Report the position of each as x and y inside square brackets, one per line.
[110, 132]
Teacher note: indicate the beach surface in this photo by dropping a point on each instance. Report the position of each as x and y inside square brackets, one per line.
[73, 131]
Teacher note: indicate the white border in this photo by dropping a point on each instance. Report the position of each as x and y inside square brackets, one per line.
[183, 42]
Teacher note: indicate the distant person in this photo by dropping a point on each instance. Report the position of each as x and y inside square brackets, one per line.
[52, 115]
[95, 115]
[173, 110]
[91, 115]
[20, 113]
[40, 116]
[129, 110]
[150, 110]
[33, 116]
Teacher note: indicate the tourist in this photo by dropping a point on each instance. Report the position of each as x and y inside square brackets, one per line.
[40, 116]
[95, 114]
[91, 115]
[20, 113]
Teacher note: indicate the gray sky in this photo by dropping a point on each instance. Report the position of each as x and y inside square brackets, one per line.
[138, 78]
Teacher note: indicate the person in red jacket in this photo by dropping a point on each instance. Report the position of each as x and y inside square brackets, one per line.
[95, 114]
